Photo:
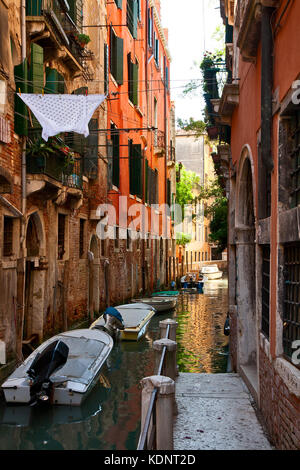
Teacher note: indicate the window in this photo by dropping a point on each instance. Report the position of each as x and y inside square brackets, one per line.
[117, 238]
[7, 236]
[119, 4]
[150, 27]
[106, 69]
[128, 240]
[206, 235]
[81, 237]
[115, 139]
[132, 16]
[156, 50]
[133, 80]
[295, 175]
[116, 57]
[265, 293]
[61, 235]
[291, 309]
[135, 168]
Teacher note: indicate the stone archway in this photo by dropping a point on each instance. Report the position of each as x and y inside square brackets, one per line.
[247, 348]
[35, 275]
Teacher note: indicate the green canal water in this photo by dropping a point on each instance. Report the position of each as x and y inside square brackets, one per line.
[109, 419]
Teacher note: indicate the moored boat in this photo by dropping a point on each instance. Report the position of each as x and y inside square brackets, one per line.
[166, 293]
[135, 319]
[77, 355]
[161, 304]
[211, 272]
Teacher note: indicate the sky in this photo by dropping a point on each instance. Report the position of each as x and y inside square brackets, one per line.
[191, 24]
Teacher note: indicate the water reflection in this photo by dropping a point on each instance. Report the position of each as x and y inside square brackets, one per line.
[110, 417]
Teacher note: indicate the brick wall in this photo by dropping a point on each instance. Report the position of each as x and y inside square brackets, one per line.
[280, 408]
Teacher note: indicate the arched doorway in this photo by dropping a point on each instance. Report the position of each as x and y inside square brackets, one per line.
[245, 270]
[33, 323]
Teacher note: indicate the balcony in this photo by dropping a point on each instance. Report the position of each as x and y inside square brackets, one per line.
[50, 25]
[171, 156]
[226, 105]
[249, 15]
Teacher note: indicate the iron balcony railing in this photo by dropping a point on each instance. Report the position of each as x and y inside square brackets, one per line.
[55, 167]
[159, 139]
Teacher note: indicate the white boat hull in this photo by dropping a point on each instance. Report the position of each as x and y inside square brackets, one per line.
[212, 276]
[160, 304]
[70, 387]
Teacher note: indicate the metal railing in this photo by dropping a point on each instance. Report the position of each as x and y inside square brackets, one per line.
[54, 166]
[146, 441]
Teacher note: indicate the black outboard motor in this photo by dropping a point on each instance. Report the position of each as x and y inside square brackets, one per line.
[52, 358]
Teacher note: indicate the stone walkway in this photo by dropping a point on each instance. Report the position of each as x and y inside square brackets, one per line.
[215, 412]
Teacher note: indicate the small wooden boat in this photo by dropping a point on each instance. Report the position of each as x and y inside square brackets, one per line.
[78, 356]
[166, 293]
[135, 320]
[161, 304]
[211, 272]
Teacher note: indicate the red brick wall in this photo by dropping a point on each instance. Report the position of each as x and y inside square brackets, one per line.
[280, 408]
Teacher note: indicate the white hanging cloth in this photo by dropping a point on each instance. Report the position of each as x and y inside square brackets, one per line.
[62, 113]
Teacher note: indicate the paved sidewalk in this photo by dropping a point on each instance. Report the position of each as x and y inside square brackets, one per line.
[215, 413]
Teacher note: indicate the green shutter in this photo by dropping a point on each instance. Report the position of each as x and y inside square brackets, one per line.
[33, 7]
[146, 181]
[118, 54]
[21, 113]
[106, 78]
[54, 82]
[119, 4]
[36, 72]
[136, 170]
[109, 153]
[116, 159]
[135, 11]
[116, 57]
[90, 161]
[73, 10]
[135, 83]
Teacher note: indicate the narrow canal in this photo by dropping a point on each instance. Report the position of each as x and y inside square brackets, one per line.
[109, 419]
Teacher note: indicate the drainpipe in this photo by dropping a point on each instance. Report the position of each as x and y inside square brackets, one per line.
[21, 261]
[266, 88]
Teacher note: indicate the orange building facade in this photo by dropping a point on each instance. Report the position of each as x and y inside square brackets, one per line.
[261, 105]
[139, 147]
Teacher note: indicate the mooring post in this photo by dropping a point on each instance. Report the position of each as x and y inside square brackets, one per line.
[169, 364]
[163, 325]
[165, 399]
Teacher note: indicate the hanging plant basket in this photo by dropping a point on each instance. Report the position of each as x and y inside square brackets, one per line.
[213, 132]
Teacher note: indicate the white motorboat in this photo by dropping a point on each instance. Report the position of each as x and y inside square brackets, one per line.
[129, 321]
[161, 304]
[78, 357]
[211, 272]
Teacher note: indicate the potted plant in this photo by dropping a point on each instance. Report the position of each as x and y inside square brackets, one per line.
[213, 132]
[83, 39]
[39, 149]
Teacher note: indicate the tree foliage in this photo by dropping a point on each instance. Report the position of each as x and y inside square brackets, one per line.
[184, 193]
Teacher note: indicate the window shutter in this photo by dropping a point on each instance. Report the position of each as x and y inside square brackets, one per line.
[119, 4]
[135, 83]
[136, 161]
[116, 159]
[90, 161]
[33, 8]
[36, 73]
[146, 181]
[21, 113]
[109, 153]
[106, 79]
[54, 82]
[131, 168]
[117, 58]
[135, 18]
